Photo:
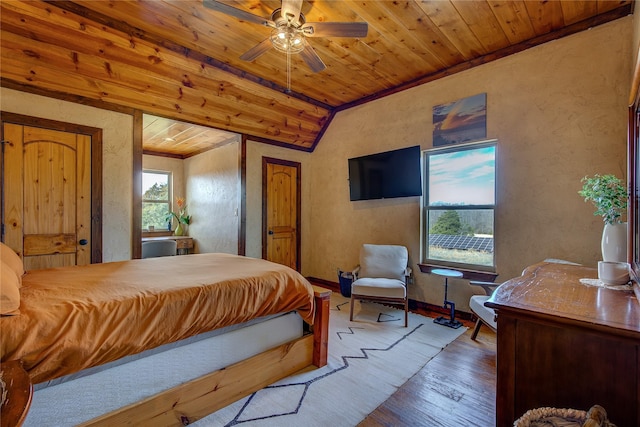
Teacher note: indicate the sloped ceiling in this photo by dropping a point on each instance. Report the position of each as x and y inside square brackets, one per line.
[179, 60]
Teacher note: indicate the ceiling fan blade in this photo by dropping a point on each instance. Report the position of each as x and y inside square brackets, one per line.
[312, 59]
[291, 8]
[236, 13]
[336, 29]
[257, 50]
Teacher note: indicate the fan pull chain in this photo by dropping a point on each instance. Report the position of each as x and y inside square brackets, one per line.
[288, 71]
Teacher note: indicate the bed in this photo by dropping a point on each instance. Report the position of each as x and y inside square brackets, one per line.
[75, 319]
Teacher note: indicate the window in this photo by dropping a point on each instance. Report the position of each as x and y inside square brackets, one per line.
[156, 199]
[459, 204]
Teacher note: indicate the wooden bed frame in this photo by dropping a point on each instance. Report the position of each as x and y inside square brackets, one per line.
[193, 400]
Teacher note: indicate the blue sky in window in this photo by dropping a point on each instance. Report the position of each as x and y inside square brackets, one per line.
[464, 177]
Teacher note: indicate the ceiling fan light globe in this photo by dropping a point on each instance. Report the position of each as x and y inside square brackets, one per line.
[288, 40]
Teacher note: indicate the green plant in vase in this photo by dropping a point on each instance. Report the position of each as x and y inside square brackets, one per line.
[180, 216]
[609, 195]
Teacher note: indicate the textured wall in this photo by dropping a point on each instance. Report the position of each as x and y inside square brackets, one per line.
[558, 111]
[117, 157]
[212, 191]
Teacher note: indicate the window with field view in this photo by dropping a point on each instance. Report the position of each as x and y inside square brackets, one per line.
[459, 204]
[156, 199]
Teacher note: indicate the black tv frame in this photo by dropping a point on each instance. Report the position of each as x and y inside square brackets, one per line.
[385, 175]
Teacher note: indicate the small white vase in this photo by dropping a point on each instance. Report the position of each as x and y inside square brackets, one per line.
[614, 242]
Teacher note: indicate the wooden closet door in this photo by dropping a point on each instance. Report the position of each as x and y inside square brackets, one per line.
[47, 188]
[281, 212]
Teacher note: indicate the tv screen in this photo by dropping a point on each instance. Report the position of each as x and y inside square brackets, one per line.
[386, 175]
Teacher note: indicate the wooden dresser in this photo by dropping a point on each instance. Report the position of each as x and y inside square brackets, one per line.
[565, 344]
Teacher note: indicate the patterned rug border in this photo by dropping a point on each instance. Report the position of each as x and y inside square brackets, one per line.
[364, 354]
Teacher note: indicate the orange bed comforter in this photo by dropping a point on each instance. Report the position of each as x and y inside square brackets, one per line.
[74, 318]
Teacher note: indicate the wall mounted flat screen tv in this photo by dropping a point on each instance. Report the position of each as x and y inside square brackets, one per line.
[386, 175]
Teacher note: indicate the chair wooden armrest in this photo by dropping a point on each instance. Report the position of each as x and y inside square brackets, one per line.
[355, 272]
[408, 276]
[488, 287]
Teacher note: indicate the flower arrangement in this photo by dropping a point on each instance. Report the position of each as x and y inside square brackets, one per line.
[180, 216]
[608, 194]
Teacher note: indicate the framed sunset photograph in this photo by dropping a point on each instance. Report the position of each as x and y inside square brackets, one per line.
[461, 121]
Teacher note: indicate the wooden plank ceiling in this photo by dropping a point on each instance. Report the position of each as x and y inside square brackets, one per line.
[180, 60]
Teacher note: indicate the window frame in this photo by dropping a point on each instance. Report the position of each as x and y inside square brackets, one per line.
[169, 194]
[426, 209]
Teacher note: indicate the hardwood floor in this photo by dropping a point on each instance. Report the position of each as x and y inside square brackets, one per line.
[456, 388]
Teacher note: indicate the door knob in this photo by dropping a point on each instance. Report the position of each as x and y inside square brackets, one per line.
[83, 242]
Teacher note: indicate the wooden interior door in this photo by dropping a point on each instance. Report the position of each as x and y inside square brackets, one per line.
[281, 212]
[47, 195]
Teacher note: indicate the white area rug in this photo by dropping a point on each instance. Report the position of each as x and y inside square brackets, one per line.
[369, 359]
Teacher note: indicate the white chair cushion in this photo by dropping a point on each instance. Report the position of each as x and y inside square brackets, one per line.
[476, 303]
[388, 261]
[379, 287]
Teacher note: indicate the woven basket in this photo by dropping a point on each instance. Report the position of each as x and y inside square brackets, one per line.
[556, 417]
[3, 390]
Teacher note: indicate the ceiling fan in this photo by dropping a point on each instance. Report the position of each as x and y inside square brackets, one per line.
[290, 30]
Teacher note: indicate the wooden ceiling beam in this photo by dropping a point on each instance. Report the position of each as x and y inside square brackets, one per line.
[121, 89]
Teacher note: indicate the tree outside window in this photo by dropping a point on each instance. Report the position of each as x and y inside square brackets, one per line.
[459, 206]
[156, 199]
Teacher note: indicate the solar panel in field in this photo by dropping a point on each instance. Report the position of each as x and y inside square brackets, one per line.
[448, 241]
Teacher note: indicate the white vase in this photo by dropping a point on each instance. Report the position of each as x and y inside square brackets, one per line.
[614, 242]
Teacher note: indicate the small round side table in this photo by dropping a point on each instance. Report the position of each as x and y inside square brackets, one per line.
[451, 321]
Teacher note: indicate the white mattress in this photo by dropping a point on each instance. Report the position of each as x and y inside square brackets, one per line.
[81, 399]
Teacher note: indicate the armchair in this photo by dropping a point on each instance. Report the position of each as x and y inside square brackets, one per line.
[485, 315]
[382, 276]
[157, 248]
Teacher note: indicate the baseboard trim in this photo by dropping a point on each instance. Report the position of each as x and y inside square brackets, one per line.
[415, 306]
